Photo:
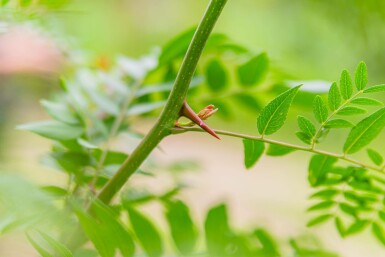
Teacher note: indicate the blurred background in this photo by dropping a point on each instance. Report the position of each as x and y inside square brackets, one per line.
[304, 39]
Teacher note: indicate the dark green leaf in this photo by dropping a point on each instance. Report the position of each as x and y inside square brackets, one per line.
[346, 85]
[304, 137]
[60, 112]
[217, 231]
[269, 246]
[277, 150]
[273, 116]
[253, 150]
[338, 123]
[366, 101]
[146, 233]
[361, 76]
[375, 157]
[334, 97]
[254, 70]
[321, 206]
[351, 110]
[306, 125]
[53, 130]
[319, 166]
[319, 219]
[378, 232]
[216, 75]
[182, 228]
[319, 109]
[375, 89]
[365, 131]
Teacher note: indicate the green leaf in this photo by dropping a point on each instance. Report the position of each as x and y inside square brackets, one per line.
[365, 132]
[254, 70]
[216, 75]
[361, 76]
[253, 150]
[351, 110]
[366, 101]
[182, 228]
[248, 101]
[269, 246]
[105, 231]
[53, 130]
[334, 97]
[348, 209]
[357, 226]
[277, 150]
[304, 137]
[346, 85]
[60, 112]
[319, 166]
[306, 125]
[375, 89]
[176, 47]
[143, 108]
[59, 248]
[148, 236]
[319, 109]
[338, 123]
[378, 232]
[375, 157]
[43, 252]
[325, 194]
[319, 219]
[340, 227]
[273, 116]
[217, 231]
[321, 206]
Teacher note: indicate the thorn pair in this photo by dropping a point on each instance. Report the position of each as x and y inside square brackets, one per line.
[187, 112]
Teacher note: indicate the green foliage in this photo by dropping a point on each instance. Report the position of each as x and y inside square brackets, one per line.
[254, 70]
[253, 150]
[216, 75]
[346, 85]
[320, 110]
[375, 157]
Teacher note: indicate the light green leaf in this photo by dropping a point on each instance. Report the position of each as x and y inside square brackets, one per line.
[273, 116]
[365, 131]
[319, 166]
[182, 228]
[59, 248]
[321, 206]
[357, 226]
[375, 89]
[351, 110]
[216, 75]
[378, 232]
[306, 125]
[53, 130]
[375, 157]
[277, 150]
[346, 85]
[269, 245]
[43, 252]
[143, 108]
[254, 70]
[253, 150]
[60, 112]
[348, 209]
[319, 219]
[340, 227]
[334, 97]
[361, 76]
[146, 233]
[217, 231]
[325, 194]
[319, 109]
[366, 101]
[248, 101]
[304, 137]
[338, 123]
[176, 47]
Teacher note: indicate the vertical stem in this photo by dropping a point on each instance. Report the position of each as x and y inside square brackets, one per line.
[171, 111]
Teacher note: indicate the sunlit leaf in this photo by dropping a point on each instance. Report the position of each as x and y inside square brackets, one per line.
[253, 150]
[366, 101]
[270, 247]
[254, 70]
[146, 233]
[325, 194]
[60, 112]
[357, 226]
[319, 219]
[273, 116]
[346, 85]
[182, 228]
[375, 89]
[306, 126]
[375, 157]
[53, 130]
[322, 205]
[216, 75]
[365, 132]
[340, 227]
[351, 110]
[334, 97]
[378, 232]
[319, 109]
[304, 137]
[143, 108]
[278, 150]
[361, 76]
[338, 123]
[319, 166]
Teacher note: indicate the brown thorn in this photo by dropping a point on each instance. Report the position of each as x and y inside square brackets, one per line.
[190, 114]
